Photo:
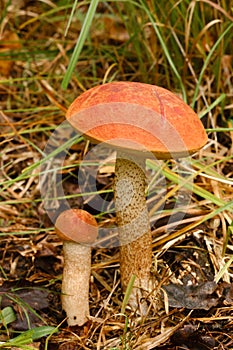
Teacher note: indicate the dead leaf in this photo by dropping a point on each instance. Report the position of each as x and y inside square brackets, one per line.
[190, 336]
[201, 296]
[22, 301]
[8, 42]
[110, 28]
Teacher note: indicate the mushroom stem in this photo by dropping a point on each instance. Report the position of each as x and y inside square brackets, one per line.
[78, 229]
[134, 227]
[75, 282]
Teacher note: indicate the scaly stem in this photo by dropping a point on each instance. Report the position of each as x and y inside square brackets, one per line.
[134, 228]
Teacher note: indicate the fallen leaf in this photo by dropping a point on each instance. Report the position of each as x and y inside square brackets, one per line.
[8, 42]
[190, 336]
[26, 303]
[201, 296]
[110, 28]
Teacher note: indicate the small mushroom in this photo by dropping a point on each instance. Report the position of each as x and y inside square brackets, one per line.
[139, 121]
[78, 230]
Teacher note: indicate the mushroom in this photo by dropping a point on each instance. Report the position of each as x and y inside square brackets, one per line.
[78, 230]
[139, 121]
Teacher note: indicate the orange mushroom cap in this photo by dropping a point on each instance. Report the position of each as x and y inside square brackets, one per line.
[76, 225]
[138, 117]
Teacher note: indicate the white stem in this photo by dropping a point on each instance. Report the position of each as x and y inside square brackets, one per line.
[134, 228]
[75, 282]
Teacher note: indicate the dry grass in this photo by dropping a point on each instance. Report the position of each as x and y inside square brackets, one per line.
[184, 46]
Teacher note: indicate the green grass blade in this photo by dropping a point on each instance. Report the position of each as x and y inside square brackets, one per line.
[7, 316]
[164, 47]
[214, 104]
[128, 293]
[27, 172]
[27, 337]
[223, 270]
[175, 178]
[205, 65]
[71, 16]
[79, 45]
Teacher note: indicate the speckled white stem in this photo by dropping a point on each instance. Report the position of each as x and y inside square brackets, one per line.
[134, 228]
[75, 282]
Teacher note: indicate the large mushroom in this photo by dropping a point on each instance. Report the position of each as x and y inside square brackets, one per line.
[78, 230]
[140, 121]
